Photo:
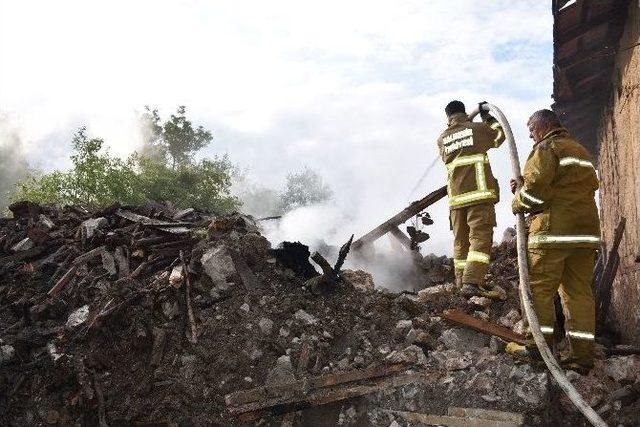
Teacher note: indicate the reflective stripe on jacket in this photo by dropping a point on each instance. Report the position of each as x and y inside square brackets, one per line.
[559, 190]
[463, 147]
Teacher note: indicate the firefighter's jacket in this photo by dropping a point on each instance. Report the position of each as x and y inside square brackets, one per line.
[559, 187]
[463, 147]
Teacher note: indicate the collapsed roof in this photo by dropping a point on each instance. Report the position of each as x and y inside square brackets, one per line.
[585, 41]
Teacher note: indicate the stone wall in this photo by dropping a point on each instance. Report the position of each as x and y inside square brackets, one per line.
[619, 168]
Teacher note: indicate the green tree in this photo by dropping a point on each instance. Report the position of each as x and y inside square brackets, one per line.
[202, 185]
[176, 138]
[163, 171]
[97, 177]
[304, 188]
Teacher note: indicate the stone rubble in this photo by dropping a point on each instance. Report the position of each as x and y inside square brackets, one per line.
[120, 324]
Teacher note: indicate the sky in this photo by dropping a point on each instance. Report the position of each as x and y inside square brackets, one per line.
[355, 90]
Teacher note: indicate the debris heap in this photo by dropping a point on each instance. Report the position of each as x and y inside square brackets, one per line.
[139, 315]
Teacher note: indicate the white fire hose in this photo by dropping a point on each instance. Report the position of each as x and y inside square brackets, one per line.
[525, 290]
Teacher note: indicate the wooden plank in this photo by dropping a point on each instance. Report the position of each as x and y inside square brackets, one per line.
[487, 414]
[156, 240]
[450, 420]
[326, 380]
[64, 280]
[326, 268]
[193, 338]
[255, 410]
[149, 221]
[397, 234]
[175, 230]
[88, 256]
[583, 55]
[356, 375]
[586, 27]
[411, 210]
[488, 328]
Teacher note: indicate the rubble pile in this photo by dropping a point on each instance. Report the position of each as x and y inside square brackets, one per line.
[134, 315]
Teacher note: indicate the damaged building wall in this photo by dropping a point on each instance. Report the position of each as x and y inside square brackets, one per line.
[619, 157]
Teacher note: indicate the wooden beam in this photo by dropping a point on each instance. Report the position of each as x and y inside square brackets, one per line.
[586, 27]
[326, 380]
[411, 210]
[462, 417]
[488, 328]
[585, 55]
[397, 234]
[64, 280]
[570, 105]
[255, 403]
[324, 396]
[602, 74]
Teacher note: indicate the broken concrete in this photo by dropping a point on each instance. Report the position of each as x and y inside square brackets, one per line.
[305, 317]
[23, 245]
[282, 372]
[217, 263]
[7, 353]
[461, 339]
[89, 227]
[78, 317]
[412, 355]
[359, 279]
[431, 293]
[623, 369]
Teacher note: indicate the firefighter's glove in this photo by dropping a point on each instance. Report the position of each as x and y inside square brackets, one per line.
[513, 185]
[484, 114]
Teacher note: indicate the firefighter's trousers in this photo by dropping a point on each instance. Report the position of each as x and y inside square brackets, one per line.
[473, 236]
[570, 273]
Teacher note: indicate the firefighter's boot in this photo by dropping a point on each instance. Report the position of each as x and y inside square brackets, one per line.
[573, 363]
[471, 290]
[524, 353]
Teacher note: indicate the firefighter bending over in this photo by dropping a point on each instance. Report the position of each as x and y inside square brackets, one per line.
[473, 192]
[559, 184]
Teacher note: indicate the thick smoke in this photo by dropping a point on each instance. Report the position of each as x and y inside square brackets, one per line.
[326, 227]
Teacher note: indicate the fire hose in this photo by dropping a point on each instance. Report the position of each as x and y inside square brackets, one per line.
[525, 290]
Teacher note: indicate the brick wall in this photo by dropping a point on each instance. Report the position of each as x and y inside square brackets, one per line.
[619, 168]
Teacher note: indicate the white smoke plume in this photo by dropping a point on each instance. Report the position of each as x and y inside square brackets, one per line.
[361, 103]
[326, 227]
[13, 163]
